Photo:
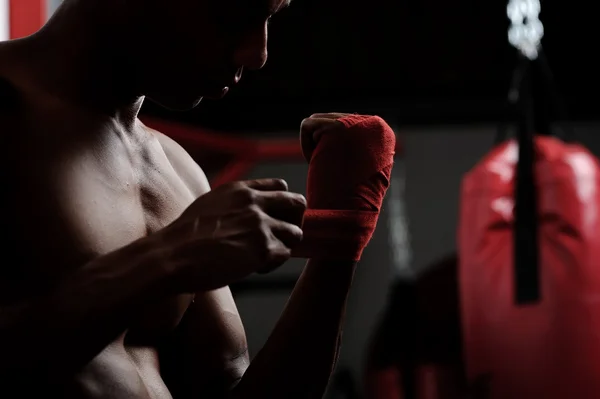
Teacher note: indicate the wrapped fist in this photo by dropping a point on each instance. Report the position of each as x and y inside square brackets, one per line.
[350, 162]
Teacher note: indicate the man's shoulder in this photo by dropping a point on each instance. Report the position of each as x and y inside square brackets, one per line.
[185, 166]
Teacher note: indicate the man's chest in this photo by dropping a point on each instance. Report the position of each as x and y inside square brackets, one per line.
[98, 199]
[76, 205]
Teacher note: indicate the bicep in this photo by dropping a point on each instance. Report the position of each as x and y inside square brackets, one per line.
[208, 353]
[214, 316]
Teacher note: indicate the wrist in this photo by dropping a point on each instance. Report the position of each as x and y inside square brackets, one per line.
[336, 234]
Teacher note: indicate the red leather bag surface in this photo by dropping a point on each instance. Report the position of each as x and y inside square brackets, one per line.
[550, 349]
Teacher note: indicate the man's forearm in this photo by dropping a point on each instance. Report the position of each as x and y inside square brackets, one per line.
[300, 354]
[64, 329]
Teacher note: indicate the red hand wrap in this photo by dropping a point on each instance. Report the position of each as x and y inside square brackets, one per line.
[348, 176]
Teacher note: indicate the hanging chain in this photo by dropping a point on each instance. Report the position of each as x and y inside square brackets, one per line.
[526, 30]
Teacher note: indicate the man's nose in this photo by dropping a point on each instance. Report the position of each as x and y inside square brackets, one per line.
[252, 52]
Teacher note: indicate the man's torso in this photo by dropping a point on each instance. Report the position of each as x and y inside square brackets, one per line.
[77, 190]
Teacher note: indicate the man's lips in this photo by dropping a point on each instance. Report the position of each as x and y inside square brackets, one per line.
[219, 90]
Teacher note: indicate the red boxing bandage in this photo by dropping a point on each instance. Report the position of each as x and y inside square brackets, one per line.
[348, 176]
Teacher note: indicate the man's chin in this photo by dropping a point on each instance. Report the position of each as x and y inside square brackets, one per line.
[185, 103]
[177, 104]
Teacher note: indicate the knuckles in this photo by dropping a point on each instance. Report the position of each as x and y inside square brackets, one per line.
[255, 216]
[244, 195]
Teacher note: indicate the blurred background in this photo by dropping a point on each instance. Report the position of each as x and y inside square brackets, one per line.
[438, 71]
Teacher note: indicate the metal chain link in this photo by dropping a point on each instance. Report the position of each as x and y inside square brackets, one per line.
[526, 30]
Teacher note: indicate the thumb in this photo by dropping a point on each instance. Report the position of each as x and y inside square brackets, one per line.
[267, 184]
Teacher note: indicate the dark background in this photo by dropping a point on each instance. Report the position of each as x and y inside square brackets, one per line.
[438, 71]
[430, 61]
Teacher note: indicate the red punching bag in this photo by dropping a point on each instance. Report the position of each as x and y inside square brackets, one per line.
[529, 271]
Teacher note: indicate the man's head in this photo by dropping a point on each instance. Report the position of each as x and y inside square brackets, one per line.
[191, 49]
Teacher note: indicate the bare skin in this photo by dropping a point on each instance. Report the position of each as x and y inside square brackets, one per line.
[120, 255]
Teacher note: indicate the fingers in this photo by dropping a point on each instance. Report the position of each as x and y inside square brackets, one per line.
[316, 121]
[284, 212]
[313, 124]
[283, 205]
[272, 197]
[330, 115]
[286, 237]
[267, 184]
[289, 234]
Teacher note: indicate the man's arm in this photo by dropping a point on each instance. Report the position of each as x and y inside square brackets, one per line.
[346, 197]
[207, 356]
[62, 330]
[350, 160]
[301, 352]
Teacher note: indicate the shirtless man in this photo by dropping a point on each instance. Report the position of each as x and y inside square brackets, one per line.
[117, 256]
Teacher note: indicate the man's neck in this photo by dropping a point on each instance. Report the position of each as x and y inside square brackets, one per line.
[80, 58]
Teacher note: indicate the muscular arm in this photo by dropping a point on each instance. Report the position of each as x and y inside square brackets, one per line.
[61, 330]
[300, 354]
[207, 357]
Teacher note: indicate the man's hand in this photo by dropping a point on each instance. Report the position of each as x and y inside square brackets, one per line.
[350, 158]
[350, 161]
[234, 231]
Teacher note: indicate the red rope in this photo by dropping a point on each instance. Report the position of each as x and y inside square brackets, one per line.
[236, 170]
[257, 149]
[246, 152]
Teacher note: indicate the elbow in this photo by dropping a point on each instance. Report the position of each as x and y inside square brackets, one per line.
[236, 371]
